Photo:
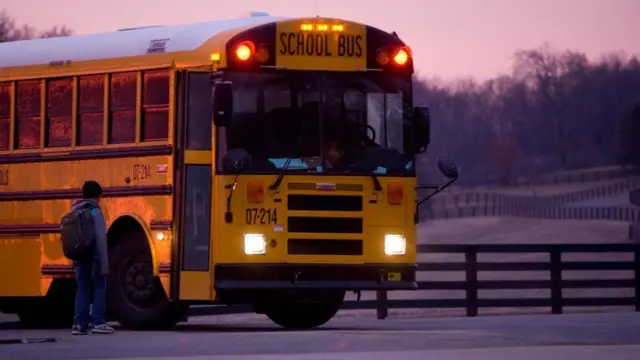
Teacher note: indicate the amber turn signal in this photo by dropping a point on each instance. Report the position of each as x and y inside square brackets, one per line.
[255, 191]
[395, 193]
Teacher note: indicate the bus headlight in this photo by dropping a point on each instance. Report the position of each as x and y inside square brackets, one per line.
[255, 244]
[395, 244]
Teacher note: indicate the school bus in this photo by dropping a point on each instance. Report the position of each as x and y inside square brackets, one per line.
[263, 161]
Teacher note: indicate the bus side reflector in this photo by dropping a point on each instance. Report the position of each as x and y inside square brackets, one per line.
[255, 191]
[395, 193]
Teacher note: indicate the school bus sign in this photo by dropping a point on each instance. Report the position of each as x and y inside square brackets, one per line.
[316, 44]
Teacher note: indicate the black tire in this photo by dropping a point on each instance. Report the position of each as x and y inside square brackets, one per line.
[305, 311]
[135, 297]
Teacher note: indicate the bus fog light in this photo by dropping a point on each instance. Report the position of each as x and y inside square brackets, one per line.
[395, 244]
[255, 244]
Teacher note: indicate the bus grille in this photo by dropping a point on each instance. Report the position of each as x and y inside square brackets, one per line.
[325, 225]
[324, 202]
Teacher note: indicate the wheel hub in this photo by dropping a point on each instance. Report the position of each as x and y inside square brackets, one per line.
[138, 281]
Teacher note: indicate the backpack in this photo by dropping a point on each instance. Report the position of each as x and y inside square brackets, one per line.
[77, 233]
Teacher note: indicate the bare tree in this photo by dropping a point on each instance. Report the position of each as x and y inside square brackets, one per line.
[629, 133]
[57, 31]
[11, 31]
[556, 111]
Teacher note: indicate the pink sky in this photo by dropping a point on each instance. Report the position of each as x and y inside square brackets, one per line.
[450, 38]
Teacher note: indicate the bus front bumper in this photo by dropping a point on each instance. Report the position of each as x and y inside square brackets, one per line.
[315, 276]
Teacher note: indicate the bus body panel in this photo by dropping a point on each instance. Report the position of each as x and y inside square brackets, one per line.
[37, 197]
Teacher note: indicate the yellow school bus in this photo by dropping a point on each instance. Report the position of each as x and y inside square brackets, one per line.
[261, 160]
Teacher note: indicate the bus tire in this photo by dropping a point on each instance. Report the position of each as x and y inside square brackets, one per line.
[135, 297]
[299, 314]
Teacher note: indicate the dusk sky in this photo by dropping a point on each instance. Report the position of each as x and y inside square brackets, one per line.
[450, 38]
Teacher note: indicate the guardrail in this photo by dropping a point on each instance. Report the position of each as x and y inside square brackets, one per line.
[472, 267]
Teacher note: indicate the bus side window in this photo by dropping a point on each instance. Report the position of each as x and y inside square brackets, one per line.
[59, 112]
[90, 110]
[199, 112]
[28, 114]
[155, 106]
[122, 127]
[5, 115]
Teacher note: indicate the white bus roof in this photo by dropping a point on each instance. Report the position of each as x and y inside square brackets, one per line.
[121, 43]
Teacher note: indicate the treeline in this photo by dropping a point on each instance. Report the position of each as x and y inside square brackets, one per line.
[10, 30]
[556, 111]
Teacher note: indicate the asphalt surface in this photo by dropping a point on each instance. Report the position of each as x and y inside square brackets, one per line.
[610, 336]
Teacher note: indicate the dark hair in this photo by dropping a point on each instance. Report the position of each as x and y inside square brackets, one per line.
[91, 190]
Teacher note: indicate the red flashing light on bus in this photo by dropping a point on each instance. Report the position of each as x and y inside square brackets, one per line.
[245, 50]
[398, 56]
[401, 57]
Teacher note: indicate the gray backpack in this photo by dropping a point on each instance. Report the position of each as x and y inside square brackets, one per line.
[77, 233]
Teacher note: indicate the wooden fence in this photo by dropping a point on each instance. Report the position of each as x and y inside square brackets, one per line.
[472, 267]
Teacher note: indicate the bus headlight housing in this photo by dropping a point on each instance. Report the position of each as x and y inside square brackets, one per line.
[255, 244]
[395, 244]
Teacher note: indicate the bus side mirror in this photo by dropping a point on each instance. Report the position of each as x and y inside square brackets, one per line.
[447, 167]
[222, 103]
[421, 129]
[236, 161]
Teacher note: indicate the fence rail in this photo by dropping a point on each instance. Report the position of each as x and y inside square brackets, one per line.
[493, 197]
[615, 213]
[570, 177]
[471, 266]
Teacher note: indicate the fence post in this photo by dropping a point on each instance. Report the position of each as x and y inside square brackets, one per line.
[471, 259]
[556, 281]
[382, 304]
[636, 260]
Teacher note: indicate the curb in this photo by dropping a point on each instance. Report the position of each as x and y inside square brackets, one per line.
[28, 341]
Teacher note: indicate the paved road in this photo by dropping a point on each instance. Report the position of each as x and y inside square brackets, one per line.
[614, 336]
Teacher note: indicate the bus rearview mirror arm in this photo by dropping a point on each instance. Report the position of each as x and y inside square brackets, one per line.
[450, 170]
[436, 189]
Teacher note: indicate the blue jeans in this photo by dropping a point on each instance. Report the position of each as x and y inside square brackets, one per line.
[88, 272]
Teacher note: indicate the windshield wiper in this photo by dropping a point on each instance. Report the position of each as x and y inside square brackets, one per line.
[376, 183]
[280, 177]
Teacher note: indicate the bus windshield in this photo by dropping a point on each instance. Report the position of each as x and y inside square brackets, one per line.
[312, 122]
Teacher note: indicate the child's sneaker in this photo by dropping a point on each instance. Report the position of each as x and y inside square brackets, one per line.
[78, 330]
[102, 329]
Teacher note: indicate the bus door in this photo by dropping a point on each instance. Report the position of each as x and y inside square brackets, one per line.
[193, 187]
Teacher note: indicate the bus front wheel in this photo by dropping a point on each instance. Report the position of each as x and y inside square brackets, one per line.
[136, 297]
[305, 311]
